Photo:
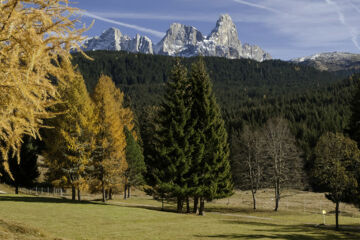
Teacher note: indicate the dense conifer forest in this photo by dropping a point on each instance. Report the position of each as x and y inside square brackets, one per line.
[249, 92]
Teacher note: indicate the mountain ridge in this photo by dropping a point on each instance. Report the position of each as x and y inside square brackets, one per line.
[331, 61]
[182, 40]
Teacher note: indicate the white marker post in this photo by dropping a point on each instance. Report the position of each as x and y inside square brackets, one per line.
[324, 214]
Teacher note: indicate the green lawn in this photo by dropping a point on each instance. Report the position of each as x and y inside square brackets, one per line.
[29, 217]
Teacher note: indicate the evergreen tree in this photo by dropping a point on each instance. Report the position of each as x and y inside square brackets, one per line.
[109, 156]
[211, 174]
[172, 154]
[26, 171]
[70, 143]
[136, 165]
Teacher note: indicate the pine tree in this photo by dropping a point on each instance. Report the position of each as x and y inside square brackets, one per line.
[69, 144]
[172, 154]
[211, 174]
[109, 157]
[136, 165]
[34, 36]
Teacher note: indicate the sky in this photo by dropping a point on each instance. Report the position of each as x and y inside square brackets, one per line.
[285, 28]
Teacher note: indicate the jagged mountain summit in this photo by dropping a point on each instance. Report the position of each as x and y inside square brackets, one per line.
[179, 39]
[185, 41]
[113, 39]
[332, 61]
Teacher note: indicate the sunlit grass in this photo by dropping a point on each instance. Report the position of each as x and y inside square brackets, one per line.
[140, 217]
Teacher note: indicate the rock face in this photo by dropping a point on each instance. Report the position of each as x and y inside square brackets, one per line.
[255, 52]
[333, 61]
[185, 41]
[223, 41]
[178, 39]
[112, 39]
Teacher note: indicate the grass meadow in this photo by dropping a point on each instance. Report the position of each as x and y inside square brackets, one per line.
[28, 217]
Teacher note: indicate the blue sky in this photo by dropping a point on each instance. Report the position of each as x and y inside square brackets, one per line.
[285, 28]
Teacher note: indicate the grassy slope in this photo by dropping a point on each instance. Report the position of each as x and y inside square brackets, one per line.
[127, 220]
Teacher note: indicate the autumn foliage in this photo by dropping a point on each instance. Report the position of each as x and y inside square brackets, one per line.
[110, 156]
[71, 140]
[34, 36]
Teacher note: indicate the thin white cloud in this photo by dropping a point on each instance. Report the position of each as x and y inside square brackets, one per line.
[152, 16]
[352, 30]
[354, 6]
[132, 26]
[258, 6]
[209, 17]
[305, 24]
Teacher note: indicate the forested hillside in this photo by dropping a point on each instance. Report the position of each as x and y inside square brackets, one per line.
[249, 92]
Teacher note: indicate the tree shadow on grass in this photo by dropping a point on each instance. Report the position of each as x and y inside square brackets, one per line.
[38, 199]
[42, 200]
[292, 232]
[147, 207]
[237, 210]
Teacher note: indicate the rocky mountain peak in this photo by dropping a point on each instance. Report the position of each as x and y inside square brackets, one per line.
[177, 38]
[112, 39]
[225, 33]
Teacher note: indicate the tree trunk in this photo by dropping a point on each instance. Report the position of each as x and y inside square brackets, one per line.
[277, 194]
[202, 206]
[103, 191]
[254, 198]
[110, 193]
[187, 205]
[129, 187]
[16, 189]
[337, 215]
[73, 193]
[125, 189]
[196, 202]
[79, 197]
[179, 204]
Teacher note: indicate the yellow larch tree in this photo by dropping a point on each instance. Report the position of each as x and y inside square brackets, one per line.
[71, 141]
[34, 36]
[110, 158]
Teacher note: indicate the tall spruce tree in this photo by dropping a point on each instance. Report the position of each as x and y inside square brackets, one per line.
[171, 160]
[211, 173]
